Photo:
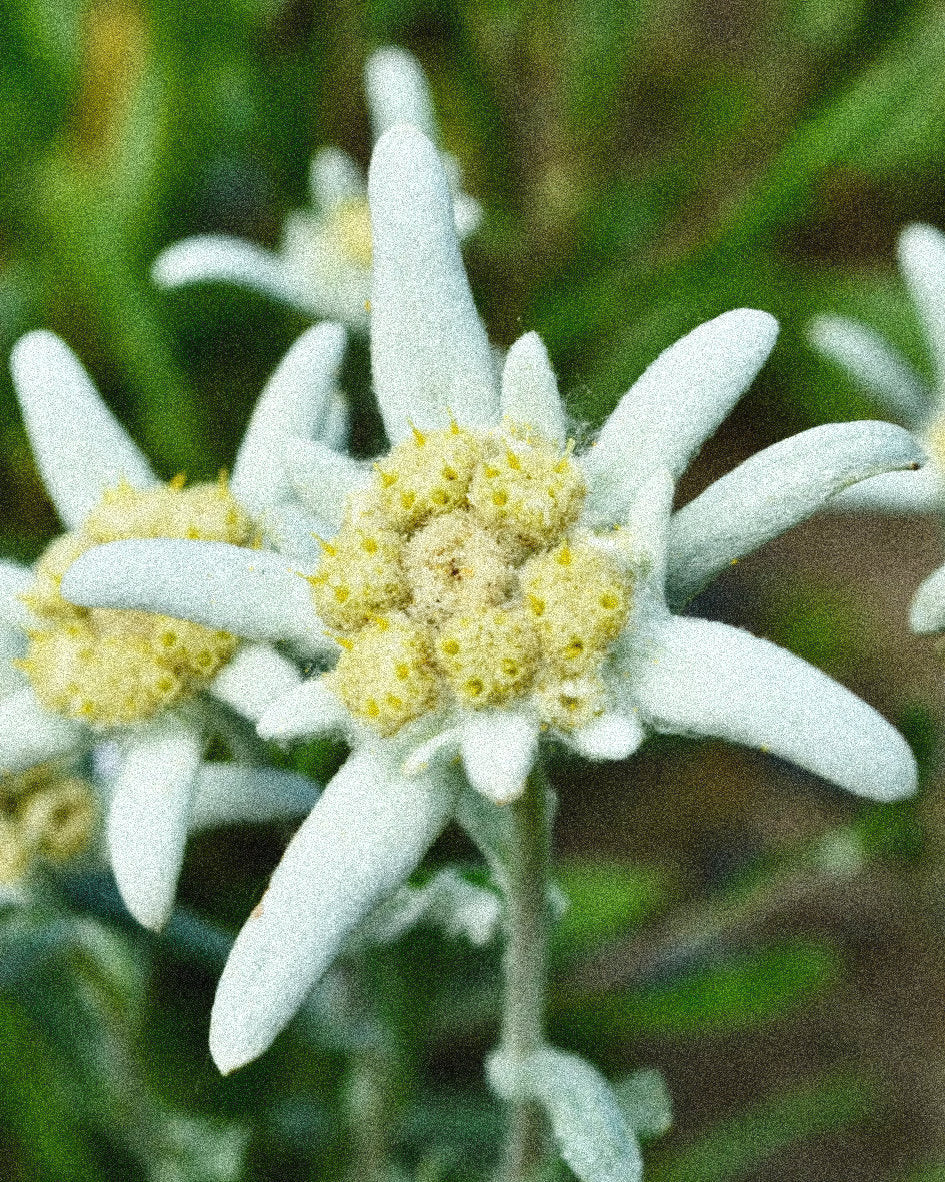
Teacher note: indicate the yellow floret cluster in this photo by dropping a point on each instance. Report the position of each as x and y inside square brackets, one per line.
[460, 576]
[111, 667]
[44, 814]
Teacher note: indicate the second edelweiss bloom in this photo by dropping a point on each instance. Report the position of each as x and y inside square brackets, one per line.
[486, 585]
[75, 679]
[323, 264]
[883, 372]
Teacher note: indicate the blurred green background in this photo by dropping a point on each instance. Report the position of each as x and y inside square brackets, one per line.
[777, 950]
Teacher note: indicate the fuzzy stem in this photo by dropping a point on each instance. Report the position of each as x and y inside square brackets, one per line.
[525, 969]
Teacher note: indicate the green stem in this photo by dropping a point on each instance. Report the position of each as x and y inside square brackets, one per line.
[525, 970]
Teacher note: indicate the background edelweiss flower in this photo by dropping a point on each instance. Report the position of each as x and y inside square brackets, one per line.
[876, 365]
[432, 361]
[93, 470]
[323, 264]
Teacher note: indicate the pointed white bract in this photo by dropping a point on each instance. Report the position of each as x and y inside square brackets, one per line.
[927, 613]
[498, 750]
[709, 679]
[253, 679]
[874, 364]
[676, 405]
[29, 734]
[252, 593]
[397, 92]
[149, 817]
[232, 794]
[430, 357]
[922, 258]
[80, 448]
[220, 258]
[775, 490]
[882, 372]
[323, 264]
[361, 840]
[322, 478]
[309, 709]
[530, 389]
[295, 401]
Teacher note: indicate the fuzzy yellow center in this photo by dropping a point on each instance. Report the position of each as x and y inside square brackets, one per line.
[460, 576]
[349, 226]
[46, 815]
[112, 667]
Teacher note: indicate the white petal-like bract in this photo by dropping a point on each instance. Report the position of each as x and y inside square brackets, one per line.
[611, 736]
[232, 794]
[873, 364]
[922, 258]
[927, 613]
[774, 490]
[149, 817]
[896, 492]
[358, 844]
[671, 410]
[30, 735]
[295, 401]
[80, 448]
[498, 750]
[430, 355]
[397, 92]
[334, 178]
[530, 389]
[219, 258]
[309, 709]
[252, 593]
[713, 680]
[323, 479]
[253, 679]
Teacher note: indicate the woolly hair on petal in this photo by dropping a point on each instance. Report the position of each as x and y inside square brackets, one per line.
[774, 490]
[29, 734]
[671, 410]
[218, 258]
[611, 736]
[709, 679]
[295, 401]
[358, 844]
[875, 365]
[397, 92]
[430, 356]
[80, 448]
[530, 389]
[254, 594]
[922, 258]
[149, 817]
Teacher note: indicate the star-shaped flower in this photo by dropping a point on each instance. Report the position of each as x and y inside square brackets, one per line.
[876, 365]
[323, 265]
[488, 586]
[72, 678]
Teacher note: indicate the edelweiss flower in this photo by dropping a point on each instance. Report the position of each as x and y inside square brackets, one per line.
[882, 371]
[70, 677]
[323, 265]
[488, 585]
